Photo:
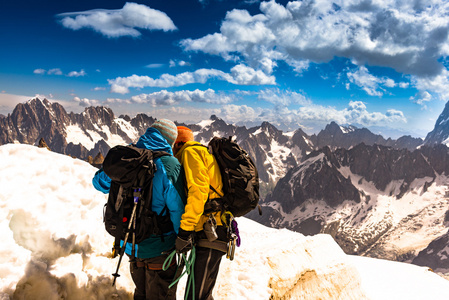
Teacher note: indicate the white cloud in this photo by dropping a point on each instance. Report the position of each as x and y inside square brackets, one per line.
[163, 98]
[119, 22]
[117, 100]
[404, 85]
[9, 101]
[98, 88]
[388, 82]
[421, 98]
[84, 102]
[245, 75]
[77, 74]
[181, 63]
[283, 98]
[55, 71]
[371, 84]
[154, 66]
[436, 85]
[311, 115]
[236, 113]
[357, 113]
[408, 36]
[183, 113]
[39, 71]
[240, 74]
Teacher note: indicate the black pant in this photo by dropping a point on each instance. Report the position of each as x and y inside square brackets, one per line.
[152, 284]
[206, 267]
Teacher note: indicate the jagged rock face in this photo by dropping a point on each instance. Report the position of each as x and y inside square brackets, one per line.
[37, 119]
[435, 255]
[341, 193]
[440, 132]
[335, 137]
[141, 122]
[317, 177]
[217, 127]
[381, 165]
[259, 142]
[92, 117]
[437, 157]
[33, 120]
[404, 142]
[301, 144]
[97, 130]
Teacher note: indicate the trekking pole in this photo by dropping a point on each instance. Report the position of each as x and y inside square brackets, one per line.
[122, 250]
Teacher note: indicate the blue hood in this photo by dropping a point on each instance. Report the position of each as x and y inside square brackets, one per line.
[152, 139]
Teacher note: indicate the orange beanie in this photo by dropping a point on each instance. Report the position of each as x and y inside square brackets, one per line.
[184, 134]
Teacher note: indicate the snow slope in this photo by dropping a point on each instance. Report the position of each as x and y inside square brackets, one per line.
[54, 246]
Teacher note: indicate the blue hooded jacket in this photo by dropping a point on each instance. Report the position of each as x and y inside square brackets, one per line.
[168, 190]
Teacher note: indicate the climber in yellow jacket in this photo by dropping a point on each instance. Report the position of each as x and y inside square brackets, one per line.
[200, 223]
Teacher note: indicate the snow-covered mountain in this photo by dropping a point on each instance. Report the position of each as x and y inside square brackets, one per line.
[97, 129]
[88, 133]
[54, 246]
[339, 165]
[374, 200]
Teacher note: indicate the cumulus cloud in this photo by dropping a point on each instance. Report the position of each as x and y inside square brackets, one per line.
[368, 82]
[404, 85]
[283, 98]
[39, 71]
[164, 98]
[309, 114]
[421, 98]
[126, 21]
[240, 74]
[437, 85]
[235, 113]
[77, 74]
[55, 71]
[357, 113]
[181, 63]
[84, 102]
[408, 36]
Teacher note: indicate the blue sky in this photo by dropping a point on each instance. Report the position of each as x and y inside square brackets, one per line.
[376, 64]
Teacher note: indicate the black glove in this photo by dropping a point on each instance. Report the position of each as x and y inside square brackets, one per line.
[184, 241]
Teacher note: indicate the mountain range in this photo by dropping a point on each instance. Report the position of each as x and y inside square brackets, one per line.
[377, 197]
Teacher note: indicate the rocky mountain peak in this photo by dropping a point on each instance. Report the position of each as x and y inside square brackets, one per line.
[99, 115]
[440, 132]
[333, 128]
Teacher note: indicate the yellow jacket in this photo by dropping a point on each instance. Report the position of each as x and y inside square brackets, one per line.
[202, 171]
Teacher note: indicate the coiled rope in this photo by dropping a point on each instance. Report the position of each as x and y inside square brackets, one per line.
[189, 263]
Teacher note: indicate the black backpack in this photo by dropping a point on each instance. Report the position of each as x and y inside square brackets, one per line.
[131, 170]
[239, 175]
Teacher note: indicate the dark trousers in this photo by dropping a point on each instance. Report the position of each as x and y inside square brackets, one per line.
[206, 267]
[152, 284]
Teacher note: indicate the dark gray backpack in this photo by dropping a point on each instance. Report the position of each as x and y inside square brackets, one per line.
[131, 170]
[239, 175]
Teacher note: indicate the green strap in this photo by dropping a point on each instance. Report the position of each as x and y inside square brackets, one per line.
[189, 264]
